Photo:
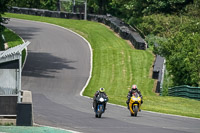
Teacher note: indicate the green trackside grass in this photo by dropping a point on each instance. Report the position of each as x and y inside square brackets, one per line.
[13, 40]
[116, 66]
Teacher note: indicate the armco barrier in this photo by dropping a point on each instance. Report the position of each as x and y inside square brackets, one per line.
[158, 72]
[185, 91]
[124, 30]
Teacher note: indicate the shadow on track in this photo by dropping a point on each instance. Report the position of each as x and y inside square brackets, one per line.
[44, 64]
[26, 34]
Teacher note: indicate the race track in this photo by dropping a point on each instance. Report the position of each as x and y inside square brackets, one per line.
[57, 69]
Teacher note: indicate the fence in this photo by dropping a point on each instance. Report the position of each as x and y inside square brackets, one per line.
[124, 30]
[185, 91]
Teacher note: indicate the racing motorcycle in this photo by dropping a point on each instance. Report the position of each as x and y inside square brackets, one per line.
[100, 108]
[135, 104]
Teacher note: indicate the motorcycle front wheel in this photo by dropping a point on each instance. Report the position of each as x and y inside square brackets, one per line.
[99, 116]
[135, 110]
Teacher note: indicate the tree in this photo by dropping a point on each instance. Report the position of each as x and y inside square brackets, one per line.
[25, 3]
[40, 4]
[49, 4]
[132, 9]
[3, 8]
[99, 6]
[182, 52]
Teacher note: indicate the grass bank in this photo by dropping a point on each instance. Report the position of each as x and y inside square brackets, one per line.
[116, 66]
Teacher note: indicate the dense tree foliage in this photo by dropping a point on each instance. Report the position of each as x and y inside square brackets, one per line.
[182, 52]
[178, 37]
[40, 4]
[3, 8]
[98, 6]
[136, 8]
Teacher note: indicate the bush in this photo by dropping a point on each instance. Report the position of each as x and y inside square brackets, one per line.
[178, 37]
[152, 40]
[182, 52]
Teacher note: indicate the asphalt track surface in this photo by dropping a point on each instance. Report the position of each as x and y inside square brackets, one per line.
[57, 69]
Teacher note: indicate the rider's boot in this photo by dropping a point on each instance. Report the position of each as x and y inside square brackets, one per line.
[127, 102]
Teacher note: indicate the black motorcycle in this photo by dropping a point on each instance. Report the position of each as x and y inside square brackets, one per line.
[100, 108]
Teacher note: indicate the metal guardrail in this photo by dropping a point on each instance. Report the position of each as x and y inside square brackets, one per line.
[185, 91]
[158, 72]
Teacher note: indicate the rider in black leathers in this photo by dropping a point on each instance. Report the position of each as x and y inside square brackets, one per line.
[130, 93]
[101, 90]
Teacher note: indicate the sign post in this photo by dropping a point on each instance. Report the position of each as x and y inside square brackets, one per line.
[85, 14]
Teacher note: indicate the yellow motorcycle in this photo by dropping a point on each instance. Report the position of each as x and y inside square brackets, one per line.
[135, 104]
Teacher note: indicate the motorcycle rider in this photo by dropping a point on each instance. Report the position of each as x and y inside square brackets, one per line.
[101, 90]
[130, 93]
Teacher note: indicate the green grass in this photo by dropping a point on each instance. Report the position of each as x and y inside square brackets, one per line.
[13, 40]
[116, 66]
